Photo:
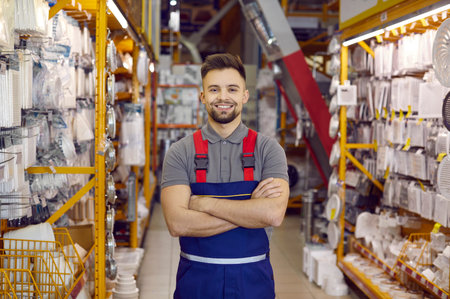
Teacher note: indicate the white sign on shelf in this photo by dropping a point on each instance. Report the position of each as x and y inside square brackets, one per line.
[346, 95]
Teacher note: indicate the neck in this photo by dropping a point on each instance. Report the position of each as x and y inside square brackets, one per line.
[224, 130]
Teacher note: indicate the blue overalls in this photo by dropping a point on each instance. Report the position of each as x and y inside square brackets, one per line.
[234, 264]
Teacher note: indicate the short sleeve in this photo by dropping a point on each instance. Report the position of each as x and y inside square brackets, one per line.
[175, 170]
[274, 159]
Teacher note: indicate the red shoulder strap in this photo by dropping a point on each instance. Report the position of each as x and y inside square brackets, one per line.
[248, 155]
[201, 157]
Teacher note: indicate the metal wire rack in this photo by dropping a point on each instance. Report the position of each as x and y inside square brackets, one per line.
[39, 269]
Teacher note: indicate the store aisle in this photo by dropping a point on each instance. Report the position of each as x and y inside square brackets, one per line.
[156, 279]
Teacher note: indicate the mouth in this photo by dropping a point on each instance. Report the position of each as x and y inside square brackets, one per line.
[224, 106]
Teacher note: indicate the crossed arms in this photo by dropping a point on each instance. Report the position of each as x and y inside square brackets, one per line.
[197, 216]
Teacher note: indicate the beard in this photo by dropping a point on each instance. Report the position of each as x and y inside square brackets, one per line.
[223, 117]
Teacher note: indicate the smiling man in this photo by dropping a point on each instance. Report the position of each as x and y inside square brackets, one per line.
[222, 187]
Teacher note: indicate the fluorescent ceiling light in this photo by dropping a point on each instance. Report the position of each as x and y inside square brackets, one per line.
[362, 37]
[116, 12]
[173, 2]
[417, 18]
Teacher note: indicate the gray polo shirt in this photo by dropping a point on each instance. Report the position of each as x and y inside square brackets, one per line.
[224, 155]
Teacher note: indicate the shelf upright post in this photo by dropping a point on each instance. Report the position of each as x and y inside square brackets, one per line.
[342, 159]
[135, 99]
[100, 110]
[147, 130]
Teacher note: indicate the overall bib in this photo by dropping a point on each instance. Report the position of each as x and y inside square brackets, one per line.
[234, 264]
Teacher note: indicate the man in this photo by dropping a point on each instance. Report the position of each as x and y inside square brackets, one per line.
[221, 187]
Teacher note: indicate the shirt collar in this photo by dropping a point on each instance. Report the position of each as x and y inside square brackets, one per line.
[236, 137]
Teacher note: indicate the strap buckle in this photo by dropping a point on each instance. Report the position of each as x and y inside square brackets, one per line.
[201, 162]
[248, 160]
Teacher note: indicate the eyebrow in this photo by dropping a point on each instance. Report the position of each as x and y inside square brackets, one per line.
[230, 85]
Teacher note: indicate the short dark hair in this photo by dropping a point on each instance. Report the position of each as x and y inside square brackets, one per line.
[223, 61]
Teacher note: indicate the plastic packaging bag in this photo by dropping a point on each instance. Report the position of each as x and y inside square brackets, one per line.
[132, 144]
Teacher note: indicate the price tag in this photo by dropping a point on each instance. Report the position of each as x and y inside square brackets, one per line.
[407, 145]
[436, 228]
[402, 29]
[408, 114]
[375, 145]
[420, 121]
[392, 114]
[441, 156]
[377, 114]
[386, 173]
[421, 185]
[386, 113]
[379, 39]
[401, 115]
[333, 214]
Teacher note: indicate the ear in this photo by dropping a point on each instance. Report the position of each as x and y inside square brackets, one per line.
[246, 96]
[202, 97]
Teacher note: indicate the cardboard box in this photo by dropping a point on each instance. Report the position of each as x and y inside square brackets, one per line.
[83, 235]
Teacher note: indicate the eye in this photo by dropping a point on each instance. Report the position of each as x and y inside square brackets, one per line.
[213, 90]
[232, 89]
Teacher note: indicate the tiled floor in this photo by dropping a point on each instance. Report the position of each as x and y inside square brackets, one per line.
[156, 279]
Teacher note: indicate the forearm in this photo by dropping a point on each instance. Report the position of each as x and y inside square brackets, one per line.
[197, 224]
[181, 221]
[251, 213]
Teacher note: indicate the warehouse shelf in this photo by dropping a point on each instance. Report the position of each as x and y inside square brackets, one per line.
[401, 268]
[124, 96]
[362, 282]
[371, 256]
[421, 280]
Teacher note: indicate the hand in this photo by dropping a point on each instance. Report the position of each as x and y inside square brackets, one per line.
[200, 203]
[267, 189]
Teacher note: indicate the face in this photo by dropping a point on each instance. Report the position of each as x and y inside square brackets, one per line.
[224, 94]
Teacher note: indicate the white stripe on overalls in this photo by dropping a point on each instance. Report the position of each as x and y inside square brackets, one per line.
[224, 261]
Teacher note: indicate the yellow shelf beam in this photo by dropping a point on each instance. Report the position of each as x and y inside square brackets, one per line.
[58, 6]
[100, 112]
[364, 170]
[378, 20]
[342, 160]
[360, 146]
[71, 202]
[61, 170]
[367, 48]
[135, 99]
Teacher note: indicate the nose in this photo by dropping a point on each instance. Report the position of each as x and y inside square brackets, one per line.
[223, 94]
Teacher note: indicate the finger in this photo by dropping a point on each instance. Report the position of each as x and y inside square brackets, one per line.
[267, 184]
[272, 193]
[263, 183]
[270, 186]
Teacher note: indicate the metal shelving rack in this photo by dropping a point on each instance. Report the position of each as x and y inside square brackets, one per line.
[98, 170]
[393, 13]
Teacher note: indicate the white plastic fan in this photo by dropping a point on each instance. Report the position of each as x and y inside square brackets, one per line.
[334, 234]
[443, 177]
[333, 208]
[335, 154]
[333, 183]
[334, 125]
[335, 45]
[441, 53]
[334, 84]
[333, 105]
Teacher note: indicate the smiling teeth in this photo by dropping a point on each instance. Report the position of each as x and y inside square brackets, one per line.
[221, 106]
